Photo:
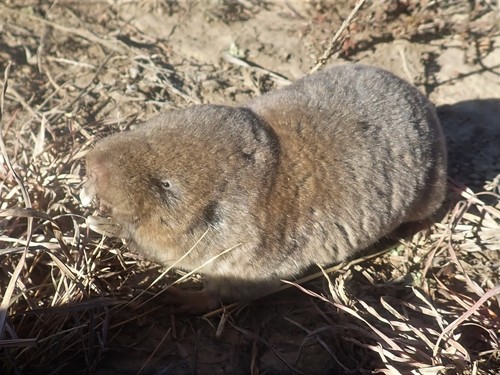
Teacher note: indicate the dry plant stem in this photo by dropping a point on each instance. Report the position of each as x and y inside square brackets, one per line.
[312, 335]
[254, 356]
[329, 51]
[18, 342]
[145, 365]
[468, 194]
[405, 65]
[17, 271]
[303, 280]
[435, 313]
[260, 339]
[476, 288]
[456, 217]
[23, 102]
[240, 62]
[30, 214]
[392, 344]
[432, 254]
[99, 302]
[453, 325]
[83, 92]
[113, 45]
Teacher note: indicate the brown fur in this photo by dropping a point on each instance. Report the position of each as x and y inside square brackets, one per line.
[308, 174]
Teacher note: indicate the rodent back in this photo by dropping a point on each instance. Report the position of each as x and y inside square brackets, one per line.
[359, 148]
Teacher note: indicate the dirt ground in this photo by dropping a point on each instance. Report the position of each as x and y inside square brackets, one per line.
[84, 69]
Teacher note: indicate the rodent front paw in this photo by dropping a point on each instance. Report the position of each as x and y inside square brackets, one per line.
[104, 225]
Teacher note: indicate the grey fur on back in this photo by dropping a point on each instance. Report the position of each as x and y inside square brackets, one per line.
[370, 148]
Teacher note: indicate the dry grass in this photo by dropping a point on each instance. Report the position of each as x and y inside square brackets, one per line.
[442, 318]
[429, 305]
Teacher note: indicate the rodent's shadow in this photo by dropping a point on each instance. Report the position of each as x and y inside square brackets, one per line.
[472, 131]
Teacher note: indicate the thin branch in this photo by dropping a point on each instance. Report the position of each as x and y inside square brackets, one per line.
[330, 50]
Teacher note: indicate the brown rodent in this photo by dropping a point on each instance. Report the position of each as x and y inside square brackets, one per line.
[309, 174]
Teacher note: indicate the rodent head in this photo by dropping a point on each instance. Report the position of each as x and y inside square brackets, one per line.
[178, 170]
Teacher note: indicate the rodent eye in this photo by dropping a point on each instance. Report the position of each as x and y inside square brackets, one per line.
[167, 190]
[166, 184]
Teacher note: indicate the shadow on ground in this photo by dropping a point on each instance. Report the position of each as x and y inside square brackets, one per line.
[472, 130]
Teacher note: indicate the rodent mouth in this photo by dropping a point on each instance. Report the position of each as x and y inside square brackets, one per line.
[88, 195]
[104, 208]
[101, 223]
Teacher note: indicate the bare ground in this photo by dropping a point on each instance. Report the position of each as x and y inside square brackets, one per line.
[76, 303]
